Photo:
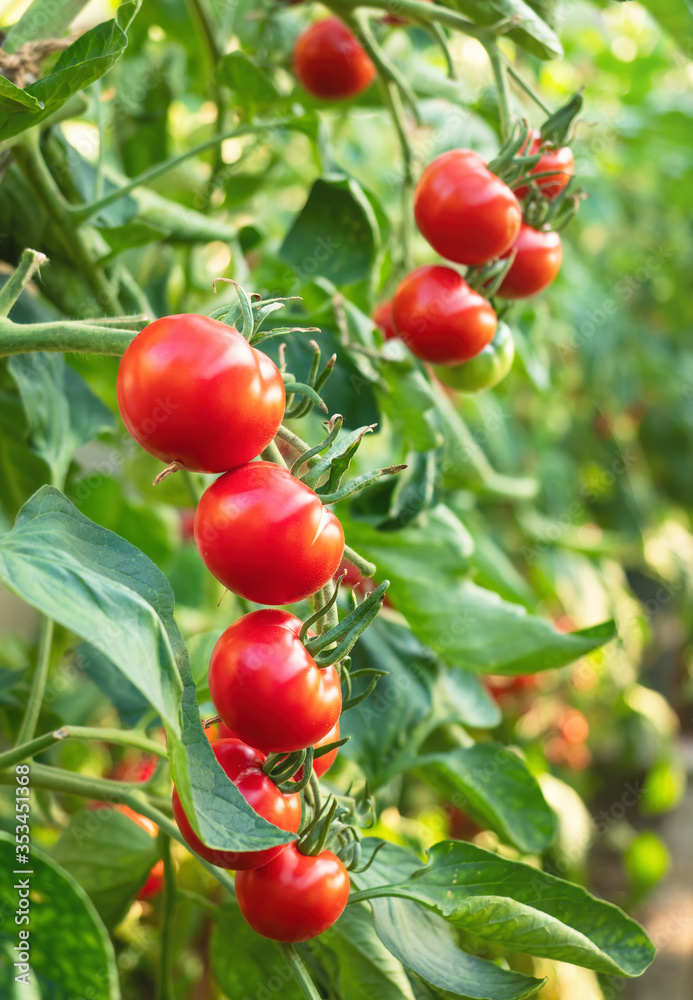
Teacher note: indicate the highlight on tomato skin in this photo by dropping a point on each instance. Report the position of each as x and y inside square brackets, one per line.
[294, 898]
[266, 535]
[243, 765]
[440, 318]
[467, 214]
[330, 63]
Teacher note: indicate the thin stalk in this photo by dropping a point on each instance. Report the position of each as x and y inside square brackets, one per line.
[499, 75]
[38, 683]
[528, 89]
[166, 989]
[393, 101]
[293, 439]
[32, 164]
[121, 737]
[29, 263]
[387, 70]
[301, 974]
[365, 567]
[273, 454]
[419, 11]
[62, 335]
[205, 26]
[439, 36]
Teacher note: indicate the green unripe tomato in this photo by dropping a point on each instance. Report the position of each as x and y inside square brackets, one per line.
[484, 370]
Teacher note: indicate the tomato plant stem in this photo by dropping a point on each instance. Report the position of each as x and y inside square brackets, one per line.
[439, 35]
[166, 988]
[367, 568]
[273, 454]
[62, 335]
[301, 974]
[38, 683]
[29, 263]
[419, 11]
[528, 89]
[499, 75]
[393, 101]
[201, 17]
[32, 164]
[122, 737]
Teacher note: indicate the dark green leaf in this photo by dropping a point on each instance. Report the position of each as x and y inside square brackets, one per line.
[109, 855]
[408, 400]
[247, 965]
[336, 233]
[130, 704]
[251, 84]
[71, 953]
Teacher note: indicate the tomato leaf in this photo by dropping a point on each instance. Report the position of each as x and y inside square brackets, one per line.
[533, 33]
[42, 19]
[253, 967]
[130, 704]
[522, 908]
[71, 953]
[252, 85]
[336, 231]
[14, 99]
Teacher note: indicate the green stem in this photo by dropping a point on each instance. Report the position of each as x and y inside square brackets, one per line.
[62, 335]
[32, 164]
[293, 439]
[387, 70]
[121, 737]
[393, 101]
[499, 75]
[200, 16]
[29, 263]
[166, 989]
[439, 36]
[420, 11]
[273, 454]
[79, 213]
[528, 89]
[38, 683]
[363, 565]
[301, 974]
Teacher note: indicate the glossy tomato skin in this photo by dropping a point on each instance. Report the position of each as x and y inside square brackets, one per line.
[537, 261]
[295, 897]
[488, 368]
[243, 765]
[440, 318]
[266, 686]
[330, 63]
[267, 536]
[192, 390]
[466, 213]
[559, 160]
[382, 318]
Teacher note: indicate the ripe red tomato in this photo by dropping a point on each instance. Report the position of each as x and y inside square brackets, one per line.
[440, 318]
[266, 535]
[382, 317]
[243, 765]
[465, 212]
[537, 261]
[266, 686]
[561, 160]
[192, 390]
[154, 884]
[330, 63]
[295, 897]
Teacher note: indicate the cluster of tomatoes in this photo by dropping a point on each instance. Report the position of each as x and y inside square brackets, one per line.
[468, 215]
[193, 392]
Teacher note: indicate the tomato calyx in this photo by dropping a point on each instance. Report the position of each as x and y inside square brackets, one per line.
[336, 643]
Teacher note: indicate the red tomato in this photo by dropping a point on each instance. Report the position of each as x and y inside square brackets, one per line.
[295, 897]
[574, 726]
[224, 733]
[382, 317]
[266, 535]
[266, 686]
[537, 262]
[243, 765]
[135, 768]
[330, 63]
[154, 884]
[192, 390]
[440, 318]
[465, 212]
[561, 160]
[321, 765]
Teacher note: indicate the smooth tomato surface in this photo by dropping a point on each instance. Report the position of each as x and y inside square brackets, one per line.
[537, 261]
[488, 368]
[267, 536]
[559, 160]
[243, 765]
[440, 318]
[330, 63]
[295, 897]
[465, 212]
[192, 390]
[266, 686]
[382, 317]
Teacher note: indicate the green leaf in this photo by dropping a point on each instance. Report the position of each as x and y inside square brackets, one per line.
[14, 99]
[130, 704]
[61, 410]
[495, 786]
[425, 944]
[103, 589]
[359, 965]
[676, 17]
[408, 400]
[533, 34]
[336, 233]
[42, 19]
[109, 855]
[86, 60]
[243, 76]
[465, 624]
[71, 953]
[252, 967]
[527, 910]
